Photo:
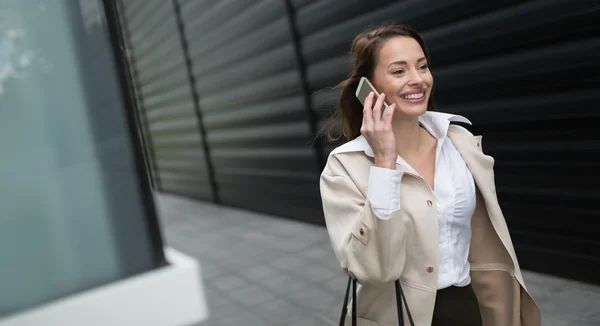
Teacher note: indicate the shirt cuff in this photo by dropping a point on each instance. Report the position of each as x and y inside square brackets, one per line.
[384, 191]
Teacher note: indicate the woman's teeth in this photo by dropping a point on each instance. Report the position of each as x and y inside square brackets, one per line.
[413, 96]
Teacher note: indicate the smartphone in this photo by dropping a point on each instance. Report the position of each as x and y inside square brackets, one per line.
[364, 88]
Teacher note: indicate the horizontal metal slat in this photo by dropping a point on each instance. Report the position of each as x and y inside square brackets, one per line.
[241, 154]
[282, 110]
[173, 112]
[325, 100]
[322, 14]
[165, 149]
[167, 55]
[276, 158]
[334, 41]
[263, 175]
[534, 196]
[272, 35]
[327, 73]
[214, 17]
[197, 191]
[197, 174]
[541, 154]
[176, 136]
[272, 88]
[519, 66]
[293, 190]
[566, 244]
[186, 152]
[553, 179]
[188, 174]
[528, 25]
[132, 7]
[175, 67]
[167, 164]
[151, 8]
[300, 3]
[545, 150]
[266, 64]
[166, 99]
[164, 29]
[550, 219]
[293, 134]
[533, 108]
[578, 130]
[174, 79]
[255, 16]
[193, 8]
[186, 123]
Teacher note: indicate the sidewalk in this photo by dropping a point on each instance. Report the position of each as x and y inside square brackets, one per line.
[259, 270]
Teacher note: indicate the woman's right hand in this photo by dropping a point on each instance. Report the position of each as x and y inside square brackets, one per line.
[378, 131]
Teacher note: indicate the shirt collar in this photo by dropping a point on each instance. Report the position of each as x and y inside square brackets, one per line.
[437, 123]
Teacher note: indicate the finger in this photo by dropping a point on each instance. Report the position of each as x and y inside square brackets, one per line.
[367, 112]
[377, 108]
[389, 114]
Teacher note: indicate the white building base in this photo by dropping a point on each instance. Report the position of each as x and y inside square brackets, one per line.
[169, 296]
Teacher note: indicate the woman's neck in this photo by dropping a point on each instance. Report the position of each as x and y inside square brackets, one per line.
[409, 137]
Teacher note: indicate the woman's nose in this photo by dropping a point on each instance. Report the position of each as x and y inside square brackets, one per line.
[414, 77]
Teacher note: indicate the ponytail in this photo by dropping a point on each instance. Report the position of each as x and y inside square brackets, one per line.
[348, 112]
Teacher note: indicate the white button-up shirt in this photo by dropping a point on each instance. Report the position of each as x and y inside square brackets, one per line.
[454, 190]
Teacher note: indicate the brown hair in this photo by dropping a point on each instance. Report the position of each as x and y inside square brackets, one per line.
[365, 49]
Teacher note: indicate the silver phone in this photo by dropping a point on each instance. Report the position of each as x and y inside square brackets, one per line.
[362, 91]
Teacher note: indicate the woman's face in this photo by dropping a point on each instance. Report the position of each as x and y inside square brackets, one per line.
[402, 73]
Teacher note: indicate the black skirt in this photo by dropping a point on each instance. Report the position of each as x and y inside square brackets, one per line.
[456, 306]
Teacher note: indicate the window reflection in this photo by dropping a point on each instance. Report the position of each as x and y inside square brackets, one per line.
[71, 213]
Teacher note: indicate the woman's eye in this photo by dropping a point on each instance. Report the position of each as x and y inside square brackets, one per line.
[424, 67]
[397, 72]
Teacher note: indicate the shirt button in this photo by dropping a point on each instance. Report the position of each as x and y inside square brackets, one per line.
[396, 179]
[362, 231]
[429, 269]
[429, 203]
[395, 200]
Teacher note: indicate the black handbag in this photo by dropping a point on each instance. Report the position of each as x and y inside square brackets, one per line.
[399, 298]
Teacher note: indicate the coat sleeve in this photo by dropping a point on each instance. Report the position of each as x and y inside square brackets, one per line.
[370, 249]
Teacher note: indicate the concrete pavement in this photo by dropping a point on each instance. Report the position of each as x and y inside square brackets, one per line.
[259, 270]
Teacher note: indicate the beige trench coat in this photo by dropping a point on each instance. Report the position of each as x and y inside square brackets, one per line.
[377, 252]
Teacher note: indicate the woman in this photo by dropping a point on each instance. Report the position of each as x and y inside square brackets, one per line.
[412, 197]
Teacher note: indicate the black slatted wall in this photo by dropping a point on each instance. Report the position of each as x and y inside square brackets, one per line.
[250, 95]
[165, 98]
[524, 72]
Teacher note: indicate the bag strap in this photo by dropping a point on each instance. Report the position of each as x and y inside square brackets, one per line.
[400, 298]
[345, 305]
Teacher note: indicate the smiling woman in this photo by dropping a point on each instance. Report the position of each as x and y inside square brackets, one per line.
[370, 50]
[411, 198]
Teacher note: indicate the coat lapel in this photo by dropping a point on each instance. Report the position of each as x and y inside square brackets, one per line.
[482, 169]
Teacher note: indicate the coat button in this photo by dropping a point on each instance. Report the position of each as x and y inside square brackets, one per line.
[362, 231]
[430, 269]
[429, 203]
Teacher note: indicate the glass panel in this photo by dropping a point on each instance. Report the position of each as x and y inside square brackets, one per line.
[71, 210]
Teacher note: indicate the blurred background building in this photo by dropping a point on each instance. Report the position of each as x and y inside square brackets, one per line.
[231, 95]
[109, 106]
[80, 242]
